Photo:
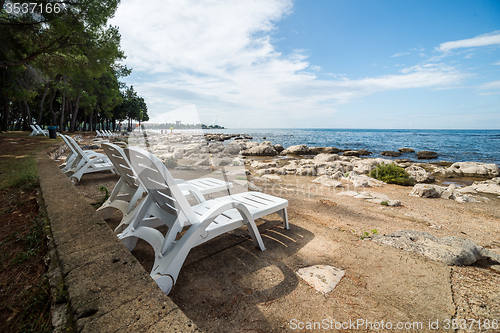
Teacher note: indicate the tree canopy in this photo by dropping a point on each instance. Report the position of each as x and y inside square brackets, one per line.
[60, 64]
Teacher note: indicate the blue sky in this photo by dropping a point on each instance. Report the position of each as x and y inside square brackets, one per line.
[316, 64]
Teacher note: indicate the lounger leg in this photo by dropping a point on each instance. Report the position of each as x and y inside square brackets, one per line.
[130, 242]
[254, 232]
[165, 282]
[284, 215]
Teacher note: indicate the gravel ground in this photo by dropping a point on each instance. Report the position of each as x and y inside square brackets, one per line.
[475, 289]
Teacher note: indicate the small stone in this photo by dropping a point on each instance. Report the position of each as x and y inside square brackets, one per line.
[323, 278]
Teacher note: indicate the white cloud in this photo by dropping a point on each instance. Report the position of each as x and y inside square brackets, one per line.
[400, 54]
[218, 55]
[481, 40]
[492, 88]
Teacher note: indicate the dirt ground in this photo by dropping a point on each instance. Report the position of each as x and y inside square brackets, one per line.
[227, 285]
[24, 300]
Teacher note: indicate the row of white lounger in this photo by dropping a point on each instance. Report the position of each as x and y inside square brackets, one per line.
[105, 134]
[148, 197]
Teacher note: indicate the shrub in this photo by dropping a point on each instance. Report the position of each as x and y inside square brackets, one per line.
[391, 174]
[170, 163]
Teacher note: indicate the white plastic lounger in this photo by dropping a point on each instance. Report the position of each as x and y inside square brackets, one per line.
[44, 132]
[206, 220]
[83, 163]
[68, 162]
[100, 134]
[36, 130]
[109, 133]
[128, 191]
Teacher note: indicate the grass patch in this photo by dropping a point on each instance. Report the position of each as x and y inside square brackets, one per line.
[365, 234]
[17, 163]
[25, 299]
[391, 174]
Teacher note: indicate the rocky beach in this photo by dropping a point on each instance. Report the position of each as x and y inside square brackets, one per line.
[448, 223]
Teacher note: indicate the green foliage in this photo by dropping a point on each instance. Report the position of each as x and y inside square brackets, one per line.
[104, 190]
[385, 203]
[365, 234]
[391, 174]
[34, 241]
[170, 163]
[70, 56]
[18, 172]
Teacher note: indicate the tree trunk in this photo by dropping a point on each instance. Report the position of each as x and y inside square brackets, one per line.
[6, 107]
[91, 122]
[40, 107]
[27, 117]
[63, 106]
[74, 114]
[51, 100]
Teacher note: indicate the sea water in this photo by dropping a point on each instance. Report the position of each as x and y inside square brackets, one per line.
[450, 145]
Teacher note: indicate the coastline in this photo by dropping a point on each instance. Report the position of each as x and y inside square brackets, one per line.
[329, 219]
[451, 145]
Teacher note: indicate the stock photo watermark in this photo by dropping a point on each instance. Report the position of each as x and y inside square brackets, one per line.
[374, 325]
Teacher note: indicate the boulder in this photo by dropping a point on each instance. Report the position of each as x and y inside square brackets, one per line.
[324, 150]
[452, 251]
[252, 187]
[264, 149]
[363, 180]
[391, 153]
[296, 150]
[279, 148]
[327, 181]
[274, 178]
[475, 169]
[350, 153]
[232, 148]
[324, 158]
[363, 152]
[266, 171]
[263, 165]
[442, 172]
[406, 150]
[221, 161]
[419, 174]
[202, 162]
[488, 186]
[426, 155]
[306, 171]
[427, 191]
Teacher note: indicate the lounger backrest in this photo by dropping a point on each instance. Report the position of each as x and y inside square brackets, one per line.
[34, 128]
[159, 183]
[77, 149]
[66, 141]
[121, 163]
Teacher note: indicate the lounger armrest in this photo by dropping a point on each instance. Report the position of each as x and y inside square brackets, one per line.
[185, 186]
[215, 211]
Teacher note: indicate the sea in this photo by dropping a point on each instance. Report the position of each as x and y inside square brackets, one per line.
[450, 145]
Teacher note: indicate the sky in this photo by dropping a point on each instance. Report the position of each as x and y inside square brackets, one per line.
[316, 64]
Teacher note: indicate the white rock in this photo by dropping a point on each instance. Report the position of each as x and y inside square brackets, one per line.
[322, 158]
[327, 181]
[427, 191]
[474, 169]
[323, 278]
[419, 174]
[487, 187]
[273, 178]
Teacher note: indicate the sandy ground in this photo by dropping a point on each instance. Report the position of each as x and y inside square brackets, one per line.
[227, 285]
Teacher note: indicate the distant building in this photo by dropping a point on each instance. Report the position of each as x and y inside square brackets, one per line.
[177, 122]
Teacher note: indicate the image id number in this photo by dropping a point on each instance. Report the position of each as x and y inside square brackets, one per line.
[32, 7]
